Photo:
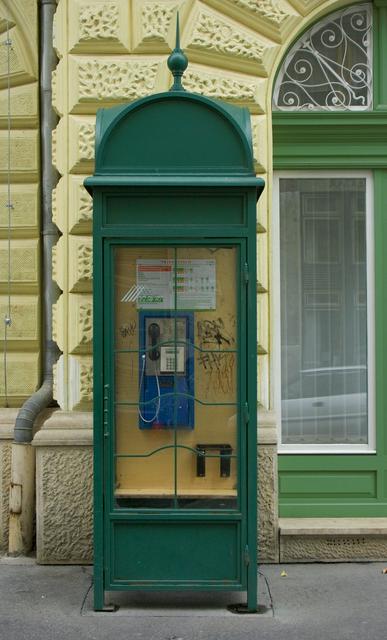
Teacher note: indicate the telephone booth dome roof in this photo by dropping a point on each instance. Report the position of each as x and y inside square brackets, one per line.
[172, 134]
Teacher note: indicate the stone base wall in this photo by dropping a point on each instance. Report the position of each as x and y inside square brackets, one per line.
[268, 548]
[7, 421]
[64, 489]
[267, 505]
[5, 481]
[335, 548]
[64, 492]
[64, 501]
[333, 539]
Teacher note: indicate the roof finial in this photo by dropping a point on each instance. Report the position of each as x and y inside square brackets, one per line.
[177, 61]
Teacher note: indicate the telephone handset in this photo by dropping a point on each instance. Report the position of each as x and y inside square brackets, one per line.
[154, 335]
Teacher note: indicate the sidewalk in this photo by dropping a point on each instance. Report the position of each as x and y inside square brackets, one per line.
[312, 602]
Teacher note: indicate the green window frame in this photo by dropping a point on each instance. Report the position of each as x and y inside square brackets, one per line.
[338, 484]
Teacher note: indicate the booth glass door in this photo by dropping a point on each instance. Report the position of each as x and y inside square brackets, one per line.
[175, 436]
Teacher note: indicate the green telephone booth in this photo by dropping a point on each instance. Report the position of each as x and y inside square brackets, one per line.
[174, 196]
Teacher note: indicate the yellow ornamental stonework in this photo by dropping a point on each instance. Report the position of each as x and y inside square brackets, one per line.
[272, 18]
[154, 24]
[80, 389]
[107, 81]
[81, 324]
[262, 263]
[59, 30]
[305, 6]
[259, 133]
[231, 47]
[115, 51]
[59, 146]
[220, 41]
[263, 324]
[80, 208]
[59, 262]
[58, 326]
[81, 144]
[80, 264]
[235, 88]
[101, 25]
[59, 202]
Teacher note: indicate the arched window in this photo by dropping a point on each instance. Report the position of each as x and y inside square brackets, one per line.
[330, 162]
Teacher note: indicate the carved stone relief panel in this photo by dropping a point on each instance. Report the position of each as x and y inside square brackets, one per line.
[80, 206]
[80, 264]
[243, 90]
[81, 144]
[81, 323]
[213, 38]
[271, 18]
[65, 505]
[105, 81]
[154, 24]
[80, 383]
[99, 26]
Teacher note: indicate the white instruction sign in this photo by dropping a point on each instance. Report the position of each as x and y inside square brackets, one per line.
[192, 282]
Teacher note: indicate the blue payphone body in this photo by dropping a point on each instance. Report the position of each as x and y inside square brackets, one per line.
[166, 370]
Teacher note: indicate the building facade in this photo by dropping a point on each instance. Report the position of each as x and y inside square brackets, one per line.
[312, 75]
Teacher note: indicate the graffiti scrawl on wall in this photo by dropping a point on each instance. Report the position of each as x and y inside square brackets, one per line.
[216, 340]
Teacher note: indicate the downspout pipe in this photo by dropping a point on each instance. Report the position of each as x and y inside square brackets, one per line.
[43, 397]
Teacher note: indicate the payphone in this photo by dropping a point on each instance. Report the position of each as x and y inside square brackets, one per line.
[175, 430]
[166, 365]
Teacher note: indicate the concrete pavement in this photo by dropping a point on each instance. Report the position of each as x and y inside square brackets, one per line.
[310, 602]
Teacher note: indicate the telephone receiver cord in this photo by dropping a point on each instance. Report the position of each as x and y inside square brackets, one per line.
[156, 415]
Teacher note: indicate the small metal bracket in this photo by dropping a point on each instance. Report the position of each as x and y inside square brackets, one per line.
[106, 411]
[225, 451]
[246, 274]
[242, 608]
[109, 608]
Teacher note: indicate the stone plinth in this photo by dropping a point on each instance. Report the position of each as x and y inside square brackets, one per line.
[7, 422]
[333, 539]
[64, 497]
[268, 550]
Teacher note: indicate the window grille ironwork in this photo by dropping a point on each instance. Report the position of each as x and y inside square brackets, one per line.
[330, 66]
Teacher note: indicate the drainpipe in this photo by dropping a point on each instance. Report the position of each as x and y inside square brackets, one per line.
[22, 493]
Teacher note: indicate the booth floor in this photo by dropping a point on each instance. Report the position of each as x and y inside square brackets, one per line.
[304, 602]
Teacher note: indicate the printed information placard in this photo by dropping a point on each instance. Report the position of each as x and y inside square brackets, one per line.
[193, 282]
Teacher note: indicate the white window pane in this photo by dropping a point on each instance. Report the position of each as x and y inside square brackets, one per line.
[323, 310]
[330, 66]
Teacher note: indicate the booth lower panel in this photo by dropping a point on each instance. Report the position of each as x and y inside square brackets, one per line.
[176, 554]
